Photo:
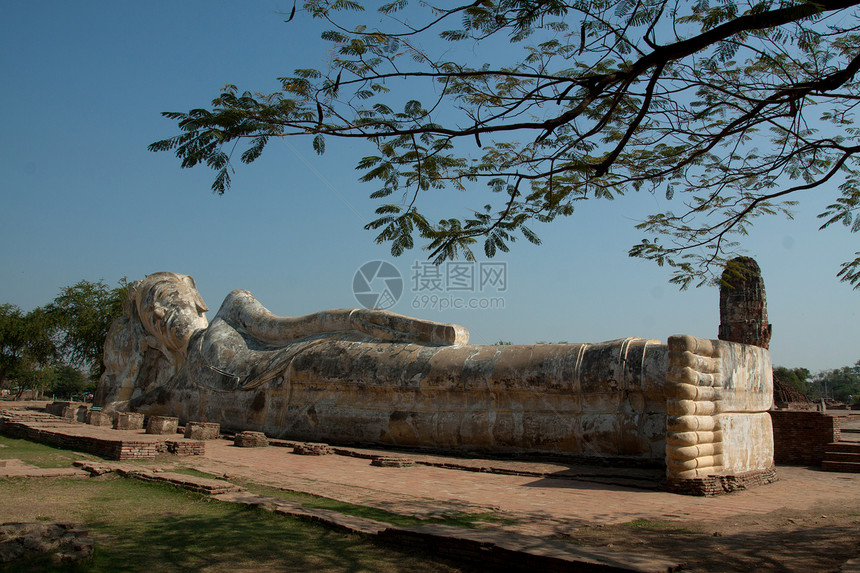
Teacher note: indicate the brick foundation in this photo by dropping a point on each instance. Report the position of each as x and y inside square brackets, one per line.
[112, 449]
[251, 440]
[718, 484]
[312, 449]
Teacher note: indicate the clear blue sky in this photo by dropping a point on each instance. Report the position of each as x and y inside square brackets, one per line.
[84, 84]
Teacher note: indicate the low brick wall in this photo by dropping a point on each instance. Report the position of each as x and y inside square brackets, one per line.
[185, 447]
[107, 448]
[801, 438]
[110, 449]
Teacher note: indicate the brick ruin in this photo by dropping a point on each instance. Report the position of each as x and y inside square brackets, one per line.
[743, 318]
[743, 304]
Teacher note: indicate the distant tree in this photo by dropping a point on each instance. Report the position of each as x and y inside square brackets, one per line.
[839, 383]
[84, 312]
[13, 341]
[730, 110]
[66, 381]
[27, 346]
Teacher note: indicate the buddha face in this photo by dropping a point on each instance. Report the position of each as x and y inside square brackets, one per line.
[170, 308]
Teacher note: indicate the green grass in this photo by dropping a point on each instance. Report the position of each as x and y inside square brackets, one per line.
[467, 520]
[141, 526]
[40, 455]
[647, 524]
[656, 525]
[45, 456]
[195, 473]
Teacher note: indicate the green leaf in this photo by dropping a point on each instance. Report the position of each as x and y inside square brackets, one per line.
[319, 143]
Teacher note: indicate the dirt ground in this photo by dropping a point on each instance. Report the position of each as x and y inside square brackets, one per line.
[785, 540]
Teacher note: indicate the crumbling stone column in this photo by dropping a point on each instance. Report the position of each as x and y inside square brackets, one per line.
[743, 305]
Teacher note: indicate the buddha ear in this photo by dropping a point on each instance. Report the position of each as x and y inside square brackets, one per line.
[198, 300]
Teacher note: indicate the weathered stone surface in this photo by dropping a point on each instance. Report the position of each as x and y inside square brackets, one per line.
[376, 377]
[162, 425]
[146, 346]
[202, 430]
[56, 408]
[99, 418]
[128, 421]
[76, 412]
[718, 397]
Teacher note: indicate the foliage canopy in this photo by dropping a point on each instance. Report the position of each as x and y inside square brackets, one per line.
[27, 344]
[46, 348]
[728, 109]
[84, 313]
[842, 384]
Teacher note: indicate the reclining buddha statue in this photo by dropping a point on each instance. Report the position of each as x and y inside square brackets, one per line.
[370, 376]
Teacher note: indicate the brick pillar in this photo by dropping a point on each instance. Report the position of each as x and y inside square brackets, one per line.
[743, 305]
